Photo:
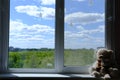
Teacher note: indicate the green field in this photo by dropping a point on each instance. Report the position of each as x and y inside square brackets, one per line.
[45, 59]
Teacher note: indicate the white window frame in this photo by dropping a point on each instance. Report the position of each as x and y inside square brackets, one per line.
[59, 39]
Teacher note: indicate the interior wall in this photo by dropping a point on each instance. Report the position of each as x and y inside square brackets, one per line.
[117, 31]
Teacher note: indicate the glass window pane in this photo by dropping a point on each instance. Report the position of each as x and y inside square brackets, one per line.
[32, 34]
[84, 31]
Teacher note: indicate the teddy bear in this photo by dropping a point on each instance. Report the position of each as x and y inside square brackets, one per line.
[104, 66]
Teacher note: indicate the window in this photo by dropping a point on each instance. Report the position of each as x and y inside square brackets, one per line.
[59, 36]
[32, 34]
[84, 31]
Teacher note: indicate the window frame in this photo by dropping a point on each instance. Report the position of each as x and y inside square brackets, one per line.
[4, 34]
[59, 39]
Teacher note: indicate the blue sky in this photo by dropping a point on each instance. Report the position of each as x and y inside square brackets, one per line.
[32, 23]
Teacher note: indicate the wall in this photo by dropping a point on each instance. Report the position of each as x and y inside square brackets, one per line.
[117, 31]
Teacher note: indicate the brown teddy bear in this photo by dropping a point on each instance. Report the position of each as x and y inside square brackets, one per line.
[104, 65]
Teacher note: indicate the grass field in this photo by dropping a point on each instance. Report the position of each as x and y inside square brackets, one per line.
[78, 57]
[45, 59]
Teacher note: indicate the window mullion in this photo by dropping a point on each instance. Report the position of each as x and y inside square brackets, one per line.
[59, 45]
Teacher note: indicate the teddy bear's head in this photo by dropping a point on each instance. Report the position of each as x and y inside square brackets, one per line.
[105, 56]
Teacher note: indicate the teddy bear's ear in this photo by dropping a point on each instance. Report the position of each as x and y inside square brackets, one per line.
[110, 51]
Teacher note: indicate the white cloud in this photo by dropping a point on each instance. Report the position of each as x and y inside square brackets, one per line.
[83, 18]
[19, 0]
[79, 0]
[20, 27]
[38, 36]
[77, 35]
[47, 2]
[47, 12]
[21, 33]
[83, 41]
[84, 33]
[100, 29]
[32, 10]
[84, 38]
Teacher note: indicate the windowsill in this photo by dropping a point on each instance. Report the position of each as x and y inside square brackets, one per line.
[46, 75]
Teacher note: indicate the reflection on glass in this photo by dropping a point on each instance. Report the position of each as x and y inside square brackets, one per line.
[84, 31]
[31, 37]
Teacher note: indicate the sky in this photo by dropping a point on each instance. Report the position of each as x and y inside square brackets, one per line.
[32, 24]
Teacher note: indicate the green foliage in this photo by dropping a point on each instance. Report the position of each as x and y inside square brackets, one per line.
[45, 58]
[31, 59]
[78, 57]
[15, 60]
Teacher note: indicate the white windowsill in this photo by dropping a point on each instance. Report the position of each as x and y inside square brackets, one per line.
[47, 75]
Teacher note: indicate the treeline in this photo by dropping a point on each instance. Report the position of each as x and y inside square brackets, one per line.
[13, 49]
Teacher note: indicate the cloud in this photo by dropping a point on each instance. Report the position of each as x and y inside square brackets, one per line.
[77, 36]
[83, 18]
[21, 33]
[19, 0]
[79, 0]
[47, 12]
[100, 29]
[38, 36]
[47, 2]
[84, 38]
[32, 10]
[84, 33]
[20, 27]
